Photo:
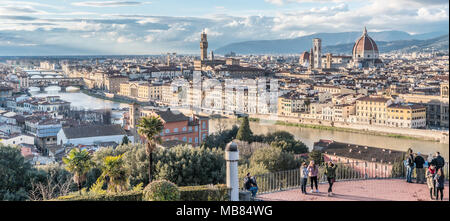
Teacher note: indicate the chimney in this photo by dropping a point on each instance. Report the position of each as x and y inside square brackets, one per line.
[350, 150]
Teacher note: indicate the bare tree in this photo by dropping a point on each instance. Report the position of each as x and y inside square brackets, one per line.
[50, 188]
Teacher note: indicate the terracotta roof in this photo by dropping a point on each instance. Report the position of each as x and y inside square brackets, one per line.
[364, 43]
[360, 152]
[93, 131]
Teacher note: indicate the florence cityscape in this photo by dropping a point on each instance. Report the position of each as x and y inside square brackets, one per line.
[259, 100]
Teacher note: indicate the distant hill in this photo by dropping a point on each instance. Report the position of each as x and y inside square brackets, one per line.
[300, 44]
[439, 43]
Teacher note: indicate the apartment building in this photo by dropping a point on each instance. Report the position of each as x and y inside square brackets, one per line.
[406, 116]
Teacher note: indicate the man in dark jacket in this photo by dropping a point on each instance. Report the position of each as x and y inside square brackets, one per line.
[250, 184]
[420, 172]
[438, 161]
[409, 166]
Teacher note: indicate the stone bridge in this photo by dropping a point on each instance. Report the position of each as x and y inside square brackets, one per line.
[63, 83]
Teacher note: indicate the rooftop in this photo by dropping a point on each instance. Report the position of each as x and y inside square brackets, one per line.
[93, 131]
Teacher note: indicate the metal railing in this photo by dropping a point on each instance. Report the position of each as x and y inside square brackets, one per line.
[291, 179]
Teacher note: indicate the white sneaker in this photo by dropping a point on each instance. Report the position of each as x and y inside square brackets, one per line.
[312, 191]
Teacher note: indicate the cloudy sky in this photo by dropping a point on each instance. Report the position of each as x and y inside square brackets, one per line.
[161, 26]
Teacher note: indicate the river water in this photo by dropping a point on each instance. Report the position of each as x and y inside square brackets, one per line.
[309, 136]
[306, 135]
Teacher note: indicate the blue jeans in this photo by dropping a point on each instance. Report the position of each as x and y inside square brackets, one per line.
[253, 189]
[409, 171]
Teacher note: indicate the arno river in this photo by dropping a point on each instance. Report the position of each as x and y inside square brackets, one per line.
[306, 135]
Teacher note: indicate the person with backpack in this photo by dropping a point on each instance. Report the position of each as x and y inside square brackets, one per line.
[304, 177]
[409, 166]
[330, 172]
[440, 180]
[250, 184]
[431, 173]
[313, 171]
[420, 173]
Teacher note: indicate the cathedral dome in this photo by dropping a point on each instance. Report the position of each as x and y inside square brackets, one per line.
[365, 48]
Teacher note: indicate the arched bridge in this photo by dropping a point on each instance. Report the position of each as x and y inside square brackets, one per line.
[60, 82]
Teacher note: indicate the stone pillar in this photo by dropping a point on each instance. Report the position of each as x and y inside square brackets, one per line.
[232, 157]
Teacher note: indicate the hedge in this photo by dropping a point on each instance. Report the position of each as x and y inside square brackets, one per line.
[122, 196]
[218, 192]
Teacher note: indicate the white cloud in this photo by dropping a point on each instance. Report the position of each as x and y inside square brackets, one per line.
[109, 3]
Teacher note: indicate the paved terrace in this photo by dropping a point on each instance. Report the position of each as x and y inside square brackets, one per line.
[363, 190]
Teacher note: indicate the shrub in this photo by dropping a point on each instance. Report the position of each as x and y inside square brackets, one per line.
[219, 192]
[122, 196]
[161, 190]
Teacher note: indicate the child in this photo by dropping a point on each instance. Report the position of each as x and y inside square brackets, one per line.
[431, 172]
[440, 179]
[304, 175]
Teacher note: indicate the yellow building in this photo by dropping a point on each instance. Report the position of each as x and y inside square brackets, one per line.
[112, 83]
[291, 105]
[141, 91]
[372, 110]
[407, 116]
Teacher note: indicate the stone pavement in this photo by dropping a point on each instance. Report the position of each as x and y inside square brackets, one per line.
[363, 190]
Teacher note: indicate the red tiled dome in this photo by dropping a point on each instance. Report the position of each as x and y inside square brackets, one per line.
[364, 45]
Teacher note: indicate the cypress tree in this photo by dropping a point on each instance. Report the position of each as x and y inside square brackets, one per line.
[244, 133]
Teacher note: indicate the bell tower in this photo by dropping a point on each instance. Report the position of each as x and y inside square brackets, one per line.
[204, 46]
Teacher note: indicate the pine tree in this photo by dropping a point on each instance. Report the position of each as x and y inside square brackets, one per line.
[244, 132]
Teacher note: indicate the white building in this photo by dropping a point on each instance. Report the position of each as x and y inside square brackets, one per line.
[90, 135]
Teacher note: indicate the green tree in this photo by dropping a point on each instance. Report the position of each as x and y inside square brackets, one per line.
[78, 162]
[244, 133]
[125, 140]
[317, 156]
[114, 172]
[274, 159]
[15, 174]
[150, 127]
[187, 166]
[220, 139]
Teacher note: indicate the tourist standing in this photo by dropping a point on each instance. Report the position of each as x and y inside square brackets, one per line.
[440, 180]
[304, 175]
[420, 173]
[313, 171]
[409, 166]
[438, 161]
[431, 172]
[330, 172]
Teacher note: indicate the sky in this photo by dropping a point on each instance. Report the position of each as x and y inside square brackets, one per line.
[161, 26]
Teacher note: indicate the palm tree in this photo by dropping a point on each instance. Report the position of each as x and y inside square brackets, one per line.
[114, 170]
[150, 127]
[79, 163]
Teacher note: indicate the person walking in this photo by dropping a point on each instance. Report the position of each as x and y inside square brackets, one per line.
[431, 172]
[409, 166]
[330, 172]
[440, 180]
[313, 171]
[304, 175]
[420, 173]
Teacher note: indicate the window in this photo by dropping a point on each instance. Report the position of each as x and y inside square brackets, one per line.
[184, 139]
[196, 140]
[175, 130]
[204, 125]
[190, 139]
[184, 128]
[167, 131]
